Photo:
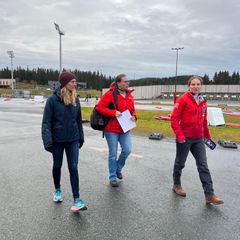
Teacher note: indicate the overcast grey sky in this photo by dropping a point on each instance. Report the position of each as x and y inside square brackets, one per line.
[123, 36]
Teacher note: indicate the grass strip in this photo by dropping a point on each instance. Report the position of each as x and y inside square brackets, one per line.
[146, 124]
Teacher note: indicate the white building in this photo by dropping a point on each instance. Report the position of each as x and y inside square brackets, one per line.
[7, 83]
[216, 92]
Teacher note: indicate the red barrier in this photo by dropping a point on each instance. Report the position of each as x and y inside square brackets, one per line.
[233, 124]
[227, 110]
[166, 118]
[234, 114]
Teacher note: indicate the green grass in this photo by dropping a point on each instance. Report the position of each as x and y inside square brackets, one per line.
[93, 93]
[45, 92]
[86, 112]
[146, 124]
[26, 86]
[5, 92]
[82, 93]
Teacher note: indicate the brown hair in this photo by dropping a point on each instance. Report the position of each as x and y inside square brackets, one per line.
[112, 84]
[195, 77]
[119, 78]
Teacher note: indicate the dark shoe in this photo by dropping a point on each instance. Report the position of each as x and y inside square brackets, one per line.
[179, 191]
[114, 183]
[119, 175]
[214, 200]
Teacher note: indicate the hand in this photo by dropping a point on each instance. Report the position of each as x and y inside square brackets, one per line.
[132, 118]
[117, 114]
[180, 139]
[80, 144]
[49, 148]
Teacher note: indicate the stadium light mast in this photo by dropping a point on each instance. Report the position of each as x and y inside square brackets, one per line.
[11, 55]
[61, 33]
[175, 89]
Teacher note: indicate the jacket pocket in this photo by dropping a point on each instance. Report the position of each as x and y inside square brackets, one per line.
[58, 134]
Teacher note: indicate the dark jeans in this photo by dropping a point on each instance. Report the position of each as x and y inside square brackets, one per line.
[197, 148]
[71, 149]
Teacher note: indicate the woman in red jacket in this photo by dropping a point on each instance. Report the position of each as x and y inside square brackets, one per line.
[189, 123]
[113, 131]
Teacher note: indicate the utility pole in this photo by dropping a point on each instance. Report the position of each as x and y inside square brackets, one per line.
[61, 33]
[11, 55]
[175, 90]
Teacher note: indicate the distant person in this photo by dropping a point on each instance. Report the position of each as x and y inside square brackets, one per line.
[86, 98]
[189, 123]
[96, 100]
[113, 131]
[62, 130]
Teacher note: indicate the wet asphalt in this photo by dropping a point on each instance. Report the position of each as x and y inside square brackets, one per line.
[142, 207]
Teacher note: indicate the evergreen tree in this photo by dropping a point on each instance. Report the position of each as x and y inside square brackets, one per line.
[215, 78]
[206, 79]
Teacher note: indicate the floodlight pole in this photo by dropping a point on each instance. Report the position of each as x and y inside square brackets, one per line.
[11, 55]
[61, 33]
[175, 89]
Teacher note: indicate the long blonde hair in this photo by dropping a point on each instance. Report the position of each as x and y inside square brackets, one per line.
[68, 97]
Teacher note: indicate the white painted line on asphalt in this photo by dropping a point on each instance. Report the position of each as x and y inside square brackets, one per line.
[99, 149]
[136, 155]
[102, 150]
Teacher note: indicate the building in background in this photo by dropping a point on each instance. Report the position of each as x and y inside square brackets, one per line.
[54, 84]
[210, 92]
[7, 83]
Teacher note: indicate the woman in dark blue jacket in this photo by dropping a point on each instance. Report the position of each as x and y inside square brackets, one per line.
[62, 130]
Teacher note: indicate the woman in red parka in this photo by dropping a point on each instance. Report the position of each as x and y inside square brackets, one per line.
[189, 123]
[113, 131]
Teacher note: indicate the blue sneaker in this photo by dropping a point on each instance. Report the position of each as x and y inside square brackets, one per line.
[78, 205]
[57, 196]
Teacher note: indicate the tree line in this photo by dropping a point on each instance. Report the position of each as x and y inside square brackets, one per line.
[96, 80]
[221, 77]
[41, 76]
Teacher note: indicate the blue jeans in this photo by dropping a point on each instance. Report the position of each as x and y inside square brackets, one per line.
[197, 148]
[116, 164]
[72, 151]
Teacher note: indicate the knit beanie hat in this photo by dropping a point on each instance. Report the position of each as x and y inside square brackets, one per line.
[66, 77]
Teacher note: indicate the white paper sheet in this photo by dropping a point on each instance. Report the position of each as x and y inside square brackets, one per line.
[125, 121]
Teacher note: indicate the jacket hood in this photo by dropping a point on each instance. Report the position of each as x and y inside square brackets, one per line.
[57, 92]
[200, 97]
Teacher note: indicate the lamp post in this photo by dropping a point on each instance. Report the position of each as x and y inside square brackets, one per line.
[11, 55]
[61, 33]
[175, 90]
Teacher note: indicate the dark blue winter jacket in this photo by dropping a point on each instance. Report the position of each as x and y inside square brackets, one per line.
[61, 123]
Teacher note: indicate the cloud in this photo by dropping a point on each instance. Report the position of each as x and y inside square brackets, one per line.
[123, 36]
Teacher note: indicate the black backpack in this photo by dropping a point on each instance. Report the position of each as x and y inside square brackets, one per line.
[98, 121]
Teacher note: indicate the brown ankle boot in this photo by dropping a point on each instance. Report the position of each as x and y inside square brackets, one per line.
[179, 191]
[214, 200]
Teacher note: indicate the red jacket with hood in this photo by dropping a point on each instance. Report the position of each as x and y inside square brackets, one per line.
[123, 104]
[189, 119]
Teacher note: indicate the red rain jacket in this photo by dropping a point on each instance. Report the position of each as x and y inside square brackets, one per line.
[189, 119]
[123, 104]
